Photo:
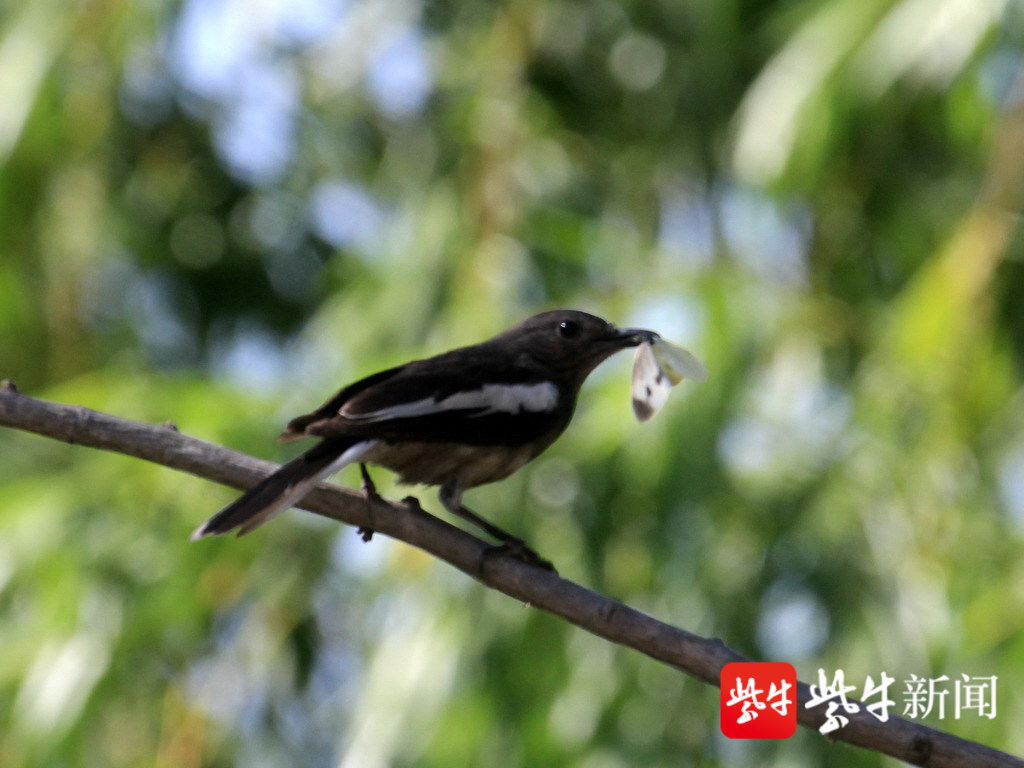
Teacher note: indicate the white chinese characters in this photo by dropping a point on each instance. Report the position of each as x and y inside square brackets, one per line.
[921, 697]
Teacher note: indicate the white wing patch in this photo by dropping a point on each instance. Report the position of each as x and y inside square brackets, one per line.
[490, 398]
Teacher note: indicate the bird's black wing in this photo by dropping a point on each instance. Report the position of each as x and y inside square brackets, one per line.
[457, 397]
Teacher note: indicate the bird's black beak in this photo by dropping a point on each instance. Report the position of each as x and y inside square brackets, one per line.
[634, 337]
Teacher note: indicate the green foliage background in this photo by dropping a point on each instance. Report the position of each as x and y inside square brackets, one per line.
[216, 213]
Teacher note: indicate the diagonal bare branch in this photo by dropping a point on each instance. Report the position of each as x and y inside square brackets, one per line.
[697, 656]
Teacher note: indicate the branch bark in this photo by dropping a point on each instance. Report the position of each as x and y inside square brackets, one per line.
[697, 656]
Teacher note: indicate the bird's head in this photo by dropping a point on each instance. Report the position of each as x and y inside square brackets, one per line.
[570, 343]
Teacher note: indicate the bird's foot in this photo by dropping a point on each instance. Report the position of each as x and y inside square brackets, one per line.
[520, 551]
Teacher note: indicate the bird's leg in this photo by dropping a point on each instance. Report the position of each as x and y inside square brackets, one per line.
[451, 498]
[368, 487]
[370, 492]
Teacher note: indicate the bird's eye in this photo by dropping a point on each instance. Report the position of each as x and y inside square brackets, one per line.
[567, 329]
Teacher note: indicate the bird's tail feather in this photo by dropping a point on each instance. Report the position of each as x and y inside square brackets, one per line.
[279, 491]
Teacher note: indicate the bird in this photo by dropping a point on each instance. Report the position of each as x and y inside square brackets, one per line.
[458, 420]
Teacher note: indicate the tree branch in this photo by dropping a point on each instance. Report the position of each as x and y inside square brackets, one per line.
[699, 657]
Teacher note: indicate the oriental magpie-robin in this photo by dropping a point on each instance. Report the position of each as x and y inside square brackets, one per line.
[464, 418]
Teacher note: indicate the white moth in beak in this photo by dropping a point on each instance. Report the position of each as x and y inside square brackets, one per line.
[658, 366]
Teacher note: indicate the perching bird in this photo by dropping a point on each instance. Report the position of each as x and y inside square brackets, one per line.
[464, 418]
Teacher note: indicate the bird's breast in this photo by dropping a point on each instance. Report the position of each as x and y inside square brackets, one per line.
[440, 463]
